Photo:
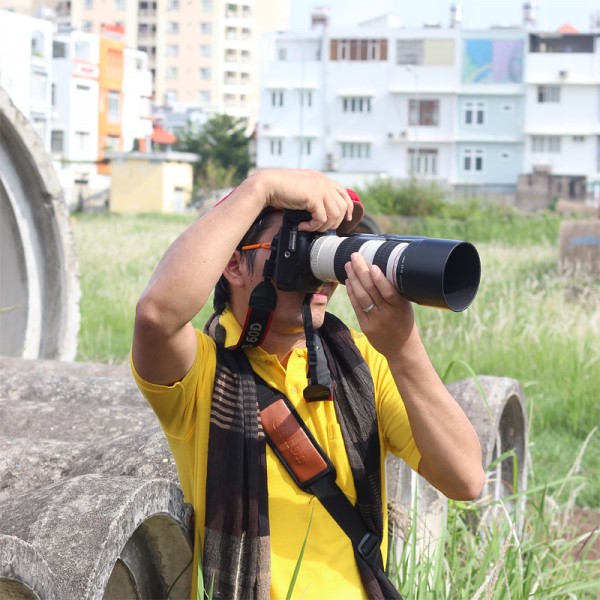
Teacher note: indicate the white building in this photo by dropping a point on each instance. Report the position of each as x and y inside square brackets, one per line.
[562, 127]
[76, 73]
[26, 67]
[468, 109]
[137, 99]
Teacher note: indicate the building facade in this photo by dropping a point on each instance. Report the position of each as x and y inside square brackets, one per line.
[470, 109]
[26, 68]
[205, 54]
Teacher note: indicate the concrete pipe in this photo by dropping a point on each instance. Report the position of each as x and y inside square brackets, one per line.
[39, 281]
[496, 407]
[107, 537]
[24, 574]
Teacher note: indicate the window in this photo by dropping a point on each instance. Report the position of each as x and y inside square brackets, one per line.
[548, 93]
[119, 4]
[205, 50]
[57, 141]
[114, 107]
[205, 74]
[276, 146]
[306, 98]
[82, 50]
[204, 96]
[172, 27]
[82, 142]
[305, 146]
[59, 50]
[206, 5]
[86, 26]
[356, 104]
[112, 143]
[171, 73]
[39, 86]
[206, 28]
[356, 150]
[424, 112]
[472, 160]
[579, 138]
[423, 161]
[88, 4]
[82, 95]
[545, 143]
[277, 98]
[358, 49]
[409, 52]
[172, 4]
[172, 50]
[474, 113]
[282, 54]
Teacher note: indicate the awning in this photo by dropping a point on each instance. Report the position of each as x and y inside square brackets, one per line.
[162, 136]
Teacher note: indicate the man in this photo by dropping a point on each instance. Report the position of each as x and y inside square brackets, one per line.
[251, 516]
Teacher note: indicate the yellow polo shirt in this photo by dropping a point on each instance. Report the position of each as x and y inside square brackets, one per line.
[328, 567]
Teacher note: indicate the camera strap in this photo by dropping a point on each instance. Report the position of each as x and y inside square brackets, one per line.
[313, 472]
[261, 306]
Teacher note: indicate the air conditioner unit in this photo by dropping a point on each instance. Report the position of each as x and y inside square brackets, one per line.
[563, 74]
[266, 126]
[332, 162]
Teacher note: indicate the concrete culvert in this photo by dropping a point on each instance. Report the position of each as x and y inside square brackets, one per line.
[496, 407]
[39, 280]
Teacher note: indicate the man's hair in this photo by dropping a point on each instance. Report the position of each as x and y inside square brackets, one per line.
[260, 224]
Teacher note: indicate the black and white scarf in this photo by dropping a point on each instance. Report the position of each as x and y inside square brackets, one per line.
[236, 548]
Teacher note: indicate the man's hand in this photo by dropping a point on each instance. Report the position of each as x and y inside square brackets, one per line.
[390, 321]
[328, 202]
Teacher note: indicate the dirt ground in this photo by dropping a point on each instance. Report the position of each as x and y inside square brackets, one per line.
[587, 520]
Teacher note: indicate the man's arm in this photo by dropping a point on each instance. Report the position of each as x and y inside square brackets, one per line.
[449, 446]
[164, 343]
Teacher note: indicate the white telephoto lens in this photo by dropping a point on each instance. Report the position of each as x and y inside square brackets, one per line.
[395, 267]
[322, 253]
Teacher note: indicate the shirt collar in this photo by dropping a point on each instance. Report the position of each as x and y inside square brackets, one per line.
[232, 328]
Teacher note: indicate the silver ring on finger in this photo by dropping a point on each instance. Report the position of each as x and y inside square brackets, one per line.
[369, 308]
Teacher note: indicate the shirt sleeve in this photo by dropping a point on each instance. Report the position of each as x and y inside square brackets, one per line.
[176, 405]
[391, 412]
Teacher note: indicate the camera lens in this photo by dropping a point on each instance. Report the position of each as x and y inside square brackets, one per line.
[428, 271]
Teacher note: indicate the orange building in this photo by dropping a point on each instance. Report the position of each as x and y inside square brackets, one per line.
[112, 47]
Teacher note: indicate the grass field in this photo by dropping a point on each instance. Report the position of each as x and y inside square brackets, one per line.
[527, 323]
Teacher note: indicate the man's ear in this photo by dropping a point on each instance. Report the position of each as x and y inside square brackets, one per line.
[233, 271]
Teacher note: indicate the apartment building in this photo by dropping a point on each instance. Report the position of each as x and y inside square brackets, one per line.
[204, 54]
[26, 68]
[562, 129]
[470, 109]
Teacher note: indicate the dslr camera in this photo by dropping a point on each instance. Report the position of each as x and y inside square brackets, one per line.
[429, 271]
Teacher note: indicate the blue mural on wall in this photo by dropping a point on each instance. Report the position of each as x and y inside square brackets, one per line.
[493, 61]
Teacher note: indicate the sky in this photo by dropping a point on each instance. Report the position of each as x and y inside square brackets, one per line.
[476, 13]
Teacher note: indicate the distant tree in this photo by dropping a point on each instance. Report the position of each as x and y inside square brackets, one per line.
[221, 143]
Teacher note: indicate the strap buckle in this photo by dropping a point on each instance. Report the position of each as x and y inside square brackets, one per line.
[368, 548]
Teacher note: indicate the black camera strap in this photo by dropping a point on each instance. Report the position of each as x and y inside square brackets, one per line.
[261, 306]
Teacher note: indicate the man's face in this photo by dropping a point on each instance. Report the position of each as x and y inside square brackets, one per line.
[288, 313]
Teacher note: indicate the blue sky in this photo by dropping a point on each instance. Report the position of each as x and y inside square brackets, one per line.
[476, 13]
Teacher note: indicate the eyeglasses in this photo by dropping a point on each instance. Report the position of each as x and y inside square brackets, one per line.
[265, 245]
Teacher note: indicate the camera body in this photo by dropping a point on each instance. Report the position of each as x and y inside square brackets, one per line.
[292, 264]
[429, 271]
